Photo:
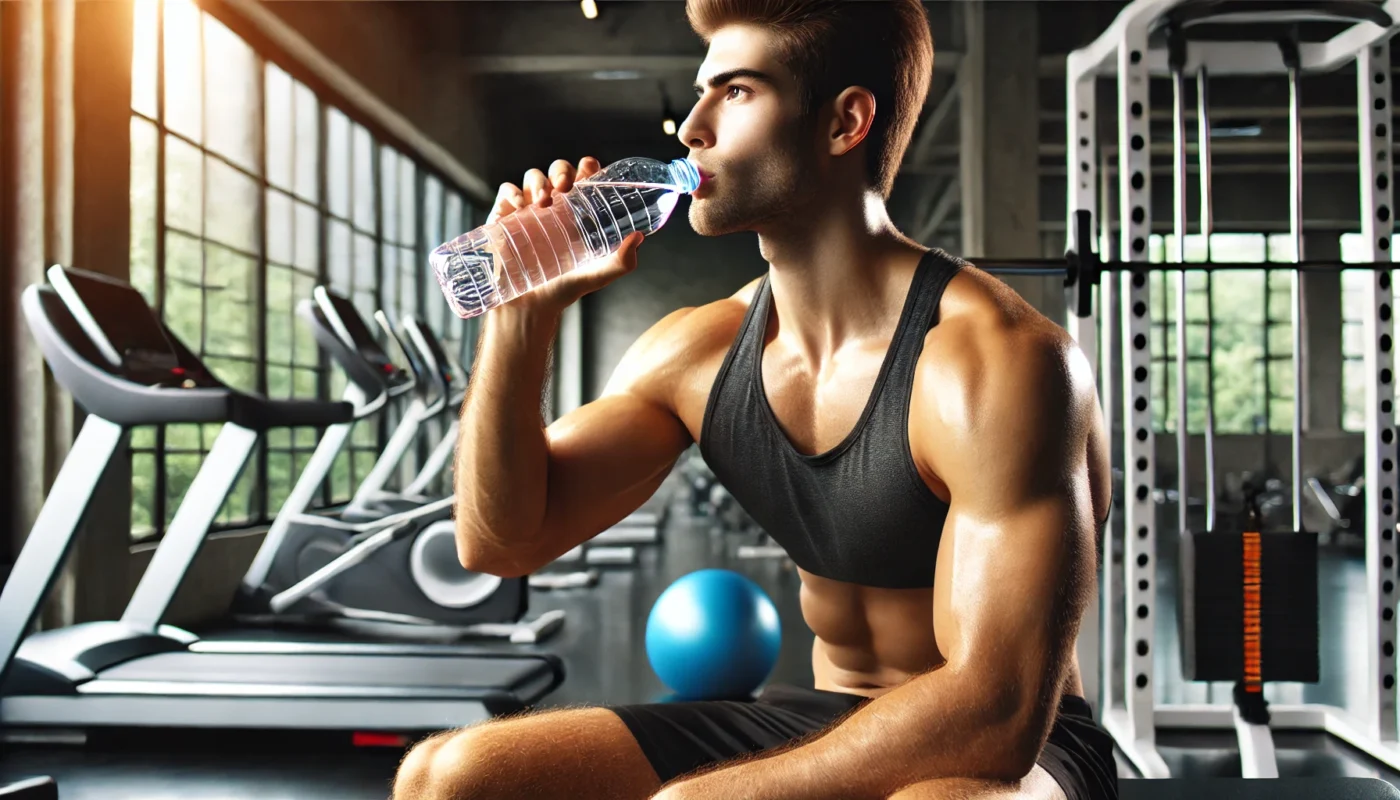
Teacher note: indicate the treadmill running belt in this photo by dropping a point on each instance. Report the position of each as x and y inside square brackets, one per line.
[453, 673]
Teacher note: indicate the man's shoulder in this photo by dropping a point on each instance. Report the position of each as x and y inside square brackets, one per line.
[698, 330]
[685, 339]
[992, 350]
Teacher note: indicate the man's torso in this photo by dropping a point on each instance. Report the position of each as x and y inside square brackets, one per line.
[868, 639]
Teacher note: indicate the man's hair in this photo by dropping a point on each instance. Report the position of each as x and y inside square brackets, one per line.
[884, 46]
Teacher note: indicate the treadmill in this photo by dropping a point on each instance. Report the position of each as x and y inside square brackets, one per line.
[372, 379]
[109, 349]
[453, 380]
[402, 564]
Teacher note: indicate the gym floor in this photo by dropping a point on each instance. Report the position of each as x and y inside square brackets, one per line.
[602, 643]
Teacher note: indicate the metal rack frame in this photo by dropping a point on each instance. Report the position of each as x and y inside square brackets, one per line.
[1122, 52]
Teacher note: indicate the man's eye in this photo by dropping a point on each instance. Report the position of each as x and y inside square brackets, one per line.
[734, 91]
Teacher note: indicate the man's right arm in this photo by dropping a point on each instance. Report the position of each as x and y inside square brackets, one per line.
[526, 494]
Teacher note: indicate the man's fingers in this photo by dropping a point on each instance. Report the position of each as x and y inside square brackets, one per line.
[627, 253]
[561, 175]
[631, 243]
[536, 186]
[587, 166]
[508, 199]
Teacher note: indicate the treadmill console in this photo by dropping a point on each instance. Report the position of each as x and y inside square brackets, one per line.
[398, 354]
[127, 332]
[434, 348]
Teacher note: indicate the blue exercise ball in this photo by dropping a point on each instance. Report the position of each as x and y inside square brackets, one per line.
[713, 634]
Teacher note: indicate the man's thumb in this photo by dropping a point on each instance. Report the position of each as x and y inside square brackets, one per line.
[631, 243]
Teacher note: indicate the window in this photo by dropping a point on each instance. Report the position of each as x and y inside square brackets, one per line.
[291, 131]
[195, 237]
[1248, 313]
[247, 190]
[399, 210]
[1354, 333]
[352, 263]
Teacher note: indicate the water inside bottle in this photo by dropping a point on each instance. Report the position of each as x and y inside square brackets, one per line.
[616, 218]
[534, 245]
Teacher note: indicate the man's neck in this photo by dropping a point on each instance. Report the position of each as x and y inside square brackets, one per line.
[837, 274]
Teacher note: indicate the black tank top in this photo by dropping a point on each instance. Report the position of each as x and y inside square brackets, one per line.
[860, 512]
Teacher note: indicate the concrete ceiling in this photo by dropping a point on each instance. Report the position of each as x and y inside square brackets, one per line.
[554, 84]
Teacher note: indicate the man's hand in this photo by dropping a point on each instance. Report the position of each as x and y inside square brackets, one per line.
[538, 193]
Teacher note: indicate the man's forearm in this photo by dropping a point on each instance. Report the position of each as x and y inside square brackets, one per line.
[931, 727]
[502, 460]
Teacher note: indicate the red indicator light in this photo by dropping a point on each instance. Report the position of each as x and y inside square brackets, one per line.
[364, 739]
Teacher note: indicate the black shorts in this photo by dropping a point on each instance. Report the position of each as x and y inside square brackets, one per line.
[680, 737]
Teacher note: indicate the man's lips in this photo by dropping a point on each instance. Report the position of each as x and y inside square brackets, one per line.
[705, 178]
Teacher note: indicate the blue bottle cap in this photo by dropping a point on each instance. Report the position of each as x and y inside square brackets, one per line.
[685, 174]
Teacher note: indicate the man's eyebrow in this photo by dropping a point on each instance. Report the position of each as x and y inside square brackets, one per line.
[721, 78]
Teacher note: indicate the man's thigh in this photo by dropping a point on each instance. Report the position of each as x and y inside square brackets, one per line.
[577, 753]
[620, 752]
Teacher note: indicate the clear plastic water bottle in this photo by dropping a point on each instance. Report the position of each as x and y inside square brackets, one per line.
[497, 262]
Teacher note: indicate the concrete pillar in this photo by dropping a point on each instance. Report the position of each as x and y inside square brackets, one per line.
[36, 198]
[568, 362]
[1000, 132]
[100, 59]
[22, 232]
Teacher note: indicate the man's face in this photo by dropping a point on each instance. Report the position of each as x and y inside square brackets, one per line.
[747, 135]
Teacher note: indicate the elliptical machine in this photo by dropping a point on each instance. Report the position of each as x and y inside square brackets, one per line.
[402, 568]
[438, 383]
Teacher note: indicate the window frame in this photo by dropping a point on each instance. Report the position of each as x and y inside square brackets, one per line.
[265, 53]
[1163, 322]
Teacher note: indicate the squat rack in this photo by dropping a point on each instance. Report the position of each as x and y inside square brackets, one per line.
[1123, 52]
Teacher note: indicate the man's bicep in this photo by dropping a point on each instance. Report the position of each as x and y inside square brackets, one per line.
[1001, 617]
[1013, 564]
[1010, 571]
[607, 457]
[605, 460]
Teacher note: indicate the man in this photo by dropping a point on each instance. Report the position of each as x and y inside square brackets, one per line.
[926, 446]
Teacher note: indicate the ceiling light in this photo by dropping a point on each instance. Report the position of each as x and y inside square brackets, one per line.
[590, 8]
[668, 114]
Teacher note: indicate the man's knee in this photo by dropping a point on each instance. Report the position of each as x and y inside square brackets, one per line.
[574, 754]
[446, 765]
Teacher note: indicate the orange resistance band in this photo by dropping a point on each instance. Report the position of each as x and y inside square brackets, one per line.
[1253, 661]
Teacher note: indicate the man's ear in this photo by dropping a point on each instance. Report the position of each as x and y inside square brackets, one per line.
[852, 112]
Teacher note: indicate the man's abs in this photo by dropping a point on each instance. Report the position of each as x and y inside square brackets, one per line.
[869, 640]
